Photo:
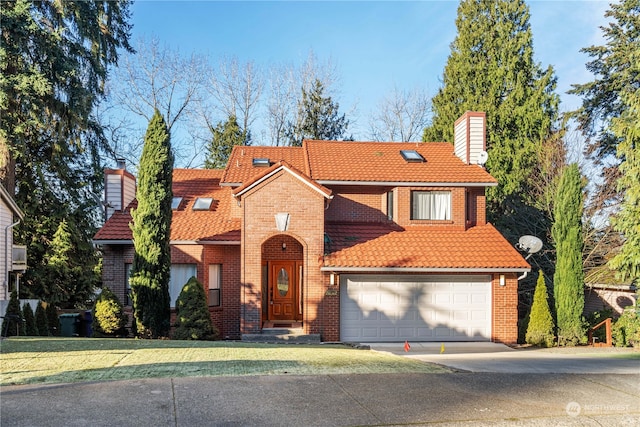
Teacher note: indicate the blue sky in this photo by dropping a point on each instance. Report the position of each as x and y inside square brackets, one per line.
[373, 44]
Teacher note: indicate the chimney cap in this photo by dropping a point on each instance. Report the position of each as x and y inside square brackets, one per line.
[121, 163]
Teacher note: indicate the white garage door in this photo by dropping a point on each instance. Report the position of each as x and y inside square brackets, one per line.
[415, 308]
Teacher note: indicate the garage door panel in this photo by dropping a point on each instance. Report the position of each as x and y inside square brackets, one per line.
[418, 308]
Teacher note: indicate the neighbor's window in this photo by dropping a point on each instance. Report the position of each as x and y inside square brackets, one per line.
[215, 281]
[180, 275]
[432, 205]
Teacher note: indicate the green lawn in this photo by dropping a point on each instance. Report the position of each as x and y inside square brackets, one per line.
[64, 360]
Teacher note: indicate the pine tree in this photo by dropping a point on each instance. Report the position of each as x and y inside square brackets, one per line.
[42, 323]
[224, 137]
[53, 320]
[108, 316]
[568, 281]
[540, 328]
[151, 228]
[317, 118]
[29, 321]
[12, 324]
[491, 68]
[192, 314]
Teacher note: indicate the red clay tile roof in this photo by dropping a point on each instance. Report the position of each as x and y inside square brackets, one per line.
[359, 162]
[382, 162]
[379, 246]
[214, 224]
[240, 169]
[284, 166]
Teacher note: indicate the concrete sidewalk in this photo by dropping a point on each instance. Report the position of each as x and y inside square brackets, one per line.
[457, 399]
[499, 358]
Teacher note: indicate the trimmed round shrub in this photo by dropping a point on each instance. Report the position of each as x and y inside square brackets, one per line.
[108, 316]
[193, 321]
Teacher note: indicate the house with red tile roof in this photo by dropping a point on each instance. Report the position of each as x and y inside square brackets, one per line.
[349, 241]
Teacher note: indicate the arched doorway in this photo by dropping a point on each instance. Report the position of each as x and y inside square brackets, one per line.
[282, 278]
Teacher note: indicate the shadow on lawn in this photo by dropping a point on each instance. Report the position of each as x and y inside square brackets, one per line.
[40, 345]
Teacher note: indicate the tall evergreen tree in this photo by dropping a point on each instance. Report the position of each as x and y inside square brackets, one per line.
[42, 321]
[610, 118]
[54, 57]
[491, 69]
[151, 229]
[568, 280]
[53, 321]
[317, 118]
[224, 137]
[540, 328]
[30, 328]
[12, 321]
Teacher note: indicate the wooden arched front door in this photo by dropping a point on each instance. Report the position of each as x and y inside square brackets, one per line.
[284, 292]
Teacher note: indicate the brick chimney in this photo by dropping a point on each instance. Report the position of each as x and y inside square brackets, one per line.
[470, 137]
[119, 188]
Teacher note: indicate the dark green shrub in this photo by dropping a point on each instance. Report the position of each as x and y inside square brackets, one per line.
[53, 320]
[29, 321]
[12, 324]
[626, 331]
[42, 322]
[108, 317]
[193, 319]
[540, 328]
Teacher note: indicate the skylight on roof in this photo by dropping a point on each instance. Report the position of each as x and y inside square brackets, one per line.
[202, 204]
[175, 203]
[261, 162]
[411, 156]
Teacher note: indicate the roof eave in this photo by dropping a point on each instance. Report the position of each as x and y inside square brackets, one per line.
[408, 184]
[484, 270]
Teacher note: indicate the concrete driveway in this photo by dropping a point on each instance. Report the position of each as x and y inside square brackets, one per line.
[499, 358]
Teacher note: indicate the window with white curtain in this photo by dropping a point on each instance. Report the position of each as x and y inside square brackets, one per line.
[215, 280]
[180, 275]
[432, 205]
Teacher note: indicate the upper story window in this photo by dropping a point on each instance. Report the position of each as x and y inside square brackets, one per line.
[390, 205]
[431, 205]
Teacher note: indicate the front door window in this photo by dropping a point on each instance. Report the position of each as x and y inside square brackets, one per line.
[283, 282]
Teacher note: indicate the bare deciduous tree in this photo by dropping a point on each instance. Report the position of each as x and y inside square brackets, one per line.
[402, 116]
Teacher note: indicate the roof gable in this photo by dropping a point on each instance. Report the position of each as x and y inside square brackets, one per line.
[11, 204]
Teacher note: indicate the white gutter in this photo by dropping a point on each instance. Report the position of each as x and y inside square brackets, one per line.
[6, 258]
[422, 270]
[410, 184]
[172, 242]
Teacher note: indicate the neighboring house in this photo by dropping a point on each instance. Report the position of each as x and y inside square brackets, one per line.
[13, 258]
[354, 241]
[614, 297]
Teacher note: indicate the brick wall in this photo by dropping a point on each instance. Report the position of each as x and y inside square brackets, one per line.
[504, 311]
[282, 192]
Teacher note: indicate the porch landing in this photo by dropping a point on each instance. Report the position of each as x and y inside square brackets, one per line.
[279, 332]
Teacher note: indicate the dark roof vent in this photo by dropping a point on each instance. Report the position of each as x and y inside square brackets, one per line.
[261, 162]
[412, 156]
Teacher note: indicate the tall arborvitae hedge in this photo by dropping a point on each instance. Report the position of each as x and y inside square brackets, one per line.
[151, 231]
[42, 323]
[12, 324]
[568, 280]
[540, 330]
[53, 320]
[193, 318]
[29, 321]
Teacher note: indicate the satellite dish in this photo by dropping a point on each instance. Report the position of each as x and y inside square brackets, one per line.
[530, 244]
[482, 158]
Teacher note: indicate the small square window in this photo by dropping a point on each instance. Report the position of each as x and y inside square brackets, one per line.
[411, 156]
[175, 203]
[202, 204]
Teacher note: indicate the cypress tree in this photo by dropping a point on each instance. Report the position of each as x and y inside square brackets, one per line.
[151, 228]
[29, 321]
[540, 328]
[42, 322]
[491, 68]
[193, 318]
[12, 323]
[53, 320]
[568, 280]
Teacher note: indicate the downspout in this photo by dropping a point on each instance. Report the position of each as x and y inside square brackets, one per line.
[6, 258]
